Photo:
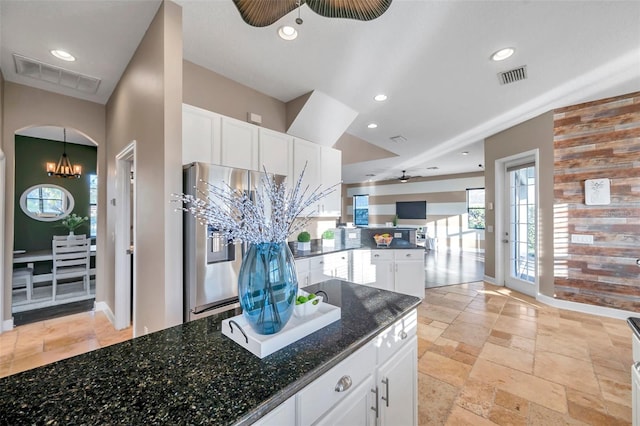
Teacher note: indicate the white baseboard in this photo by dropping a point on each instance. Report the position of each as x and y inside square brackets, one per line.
[490, 280]
[103, 307]
[586, 308]
[7, 325]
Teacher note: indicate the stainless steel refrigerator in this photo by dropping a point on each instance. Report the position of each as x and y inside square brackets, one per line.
[212, 264]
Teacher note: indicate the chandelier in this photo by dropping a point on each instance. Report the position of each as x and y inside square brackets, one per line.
[64, 168]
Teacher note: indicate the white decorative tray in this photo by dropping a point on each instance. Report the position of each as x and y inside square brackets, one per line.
[262, 345]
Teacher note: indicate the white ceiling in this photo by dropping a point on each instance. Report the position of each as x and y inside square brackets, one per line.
[430, 57]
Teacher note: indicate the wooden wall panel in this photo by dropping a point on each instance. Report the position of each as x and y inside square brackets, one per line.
[596, 140]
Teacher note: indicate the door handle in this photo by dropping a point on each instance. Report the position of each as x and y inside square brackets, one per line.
[375, 408]
[343, 384]
[505, 241]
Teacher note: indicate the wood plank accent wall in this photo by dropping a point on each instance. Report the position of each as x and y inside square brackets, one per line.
[596, 140]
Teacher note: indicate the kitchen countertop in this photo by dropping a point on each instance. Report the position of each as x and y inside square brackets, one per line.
[192, 374]
[317, 249]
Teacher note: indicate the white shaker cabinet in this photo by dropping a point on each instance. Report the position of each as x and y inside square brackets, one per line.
[328, 266]
[275, 151]
[283, 414]
[239, 144]
[397, 387]
[400, 270]
[355, 409]
[409, 272]
[302, 271]
[307, 153]
[200, 135]
[330, 174]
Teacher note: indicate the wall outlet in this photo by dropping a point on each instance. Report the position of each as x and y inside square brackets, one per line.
[397, 235]
[581, 239]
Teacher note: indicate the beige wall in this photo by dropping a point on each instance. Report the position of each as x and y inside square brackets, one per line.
[28, 107]
[211, 91]
[146, 107]
[536, 133]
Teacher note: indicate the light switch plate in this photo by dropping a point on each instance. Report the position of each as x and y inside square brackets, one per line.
[581, 239]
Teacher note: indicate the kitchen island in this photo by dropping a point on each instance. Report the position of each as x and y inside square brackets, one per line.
[192, 374]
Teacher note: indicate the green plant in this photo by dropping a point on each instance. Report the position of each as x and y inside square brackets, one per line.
[304, 237]
[73, 221]
[328, 235]
[395, 220]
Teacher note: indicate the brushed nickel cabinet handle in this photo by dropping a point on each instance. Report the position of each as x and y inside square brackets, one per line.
[403, 335]
[375, 408]
[385, 398]
[343, 384]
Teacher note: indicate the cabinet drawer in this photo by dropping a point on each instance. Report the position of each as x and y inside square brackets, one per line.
[393, 338]
[381, 255]
[319, 262]
[317, 398]
[302, 266]
[409, 254]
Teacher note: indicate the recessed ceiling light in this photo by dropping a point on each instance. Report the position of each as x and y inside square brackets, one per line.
[372, 125]
[287, 32]
[61, 54]
[380, 98]
[465, 152]
[502, 54]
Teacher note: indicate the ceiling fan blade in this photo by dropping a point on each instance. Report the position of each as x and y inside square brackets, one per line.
[261, 13]
[363, 10]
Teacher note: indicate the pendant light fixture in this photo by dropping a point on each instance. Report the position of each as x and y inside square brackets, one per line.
[64, 169]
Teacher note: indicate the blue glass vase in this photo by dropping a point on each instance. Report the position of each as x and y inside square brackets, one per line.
[267, 286]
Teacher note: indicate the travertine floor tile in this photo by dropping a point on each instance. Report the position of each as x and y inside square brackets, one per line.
[567, 371]
[476, 397]
[445, 369]
[459, 417]
[435, 399]
[508, 357]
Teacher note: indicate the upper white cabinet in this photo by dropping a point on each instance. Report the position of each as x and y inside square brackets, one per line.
[239, 146]
[275, 151]
[200, 135]
[330, 174]
[213, 138]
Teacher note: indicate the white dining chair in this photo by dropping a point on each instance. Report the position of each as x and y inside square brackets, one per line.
[71, 254]
[23, 278]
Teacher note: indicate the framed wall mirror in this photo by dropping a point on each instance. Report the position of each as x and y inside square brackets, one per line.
[46, 202]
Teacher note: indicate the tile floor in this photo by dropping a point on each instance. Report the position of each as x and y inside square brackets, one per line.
[490, 356]
[446, 267]
[486, 356]
[39, 343]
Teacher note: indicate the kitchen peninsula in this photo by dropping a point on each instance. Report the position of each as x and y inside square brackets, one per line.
[192, 374]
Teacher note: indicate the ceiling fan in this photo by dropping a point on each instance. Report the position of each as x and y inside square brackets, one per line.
[404, 178]
[261, 13]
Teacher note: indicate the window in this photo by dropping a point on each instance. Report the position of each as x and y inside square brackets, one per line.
[93, 205]
[475, 208]
[361, 210]
[46, 202]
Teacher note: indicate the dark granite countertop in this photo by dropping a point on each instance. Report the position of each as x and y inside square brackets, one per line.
[317, 249]
[192, 374]
[634, 323]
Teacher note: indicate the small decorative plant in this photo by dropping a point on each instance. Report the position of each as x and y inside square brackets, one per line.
[73, 221]
[328, 238]
[395, 220]
[304, 241]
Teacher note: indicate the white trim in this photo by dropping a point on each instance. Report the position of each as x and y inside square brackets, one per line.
[125, 164]
[103, 307]
[3, 178]
[490, 280]
[602, 311]
[7, 325]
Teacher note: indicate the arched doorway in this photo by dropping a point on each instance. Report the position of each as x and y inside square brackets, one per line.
[46, 202]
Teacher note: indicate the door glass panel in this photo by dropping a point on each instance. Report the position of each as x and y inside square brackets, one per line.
[522, 224]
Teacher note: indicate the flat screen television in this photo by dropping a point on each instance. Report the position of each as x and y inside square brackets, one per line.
[411, 209]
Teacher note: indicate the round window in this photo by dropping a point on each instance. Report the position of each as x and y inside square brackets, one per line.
[46, 202]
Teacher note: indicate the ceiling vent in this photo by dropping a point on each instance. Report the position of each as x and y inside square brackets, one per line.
[51, 74]
[398, 139]
[513, 75]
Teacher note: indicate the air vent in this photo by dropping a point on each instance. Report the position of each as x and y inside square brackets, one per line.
[51, 74]
[513, 75]
[398, 139]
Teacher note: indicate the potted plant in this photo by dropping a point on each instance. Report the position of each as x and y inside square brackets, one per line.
[395, 220]
[73, 221]
[304, 241]
[328, 238]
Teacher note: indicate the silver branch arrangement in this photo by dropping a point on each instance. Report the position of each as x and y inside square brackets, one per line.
[267, 216]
